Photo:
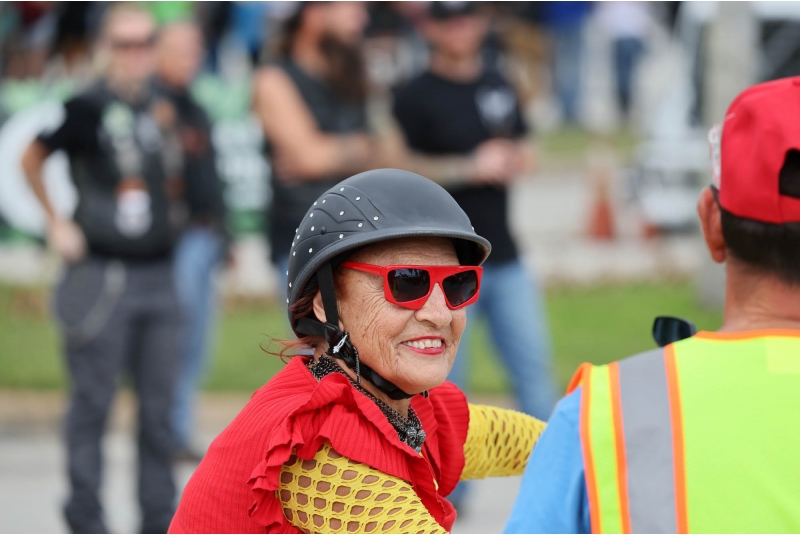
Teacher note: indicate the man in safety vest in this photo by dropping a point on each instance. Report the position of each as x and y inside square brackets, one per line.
[702, 435]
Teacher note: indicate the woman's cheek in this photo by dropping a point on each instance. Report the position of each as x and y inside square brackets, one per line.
[457, 327]
[377, 328]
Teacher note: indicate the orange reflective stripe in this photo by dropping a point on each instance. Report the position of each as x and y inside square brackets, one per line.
[575, 382]
[676, 415]
[747, 335]
[622, 466]
[586, 443]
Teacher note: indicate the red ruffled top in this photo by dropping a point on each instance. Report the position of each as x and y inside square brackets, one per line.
[233, 488]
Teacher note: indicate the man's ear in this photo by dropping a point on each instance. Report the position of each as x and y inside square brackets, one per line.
[711, 222]
[319, 308]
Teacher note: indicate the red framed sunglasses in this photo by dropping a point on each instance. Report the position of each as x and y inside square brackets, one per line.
[411, 286]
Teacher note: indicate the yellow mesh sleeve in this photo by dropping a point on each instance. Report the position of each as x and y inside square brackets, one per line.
[499, 442]
[332, 494]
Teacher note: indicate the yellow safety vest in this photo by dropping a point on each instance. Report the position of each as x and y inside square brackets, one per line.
[702, 436]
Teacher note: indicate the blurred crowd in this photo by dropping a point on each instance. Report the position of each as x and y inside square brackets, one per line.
[543, 43]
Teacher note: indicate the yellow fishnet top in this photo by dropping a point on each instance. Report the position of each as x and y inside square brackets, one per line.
[499, 442]
[332, 494]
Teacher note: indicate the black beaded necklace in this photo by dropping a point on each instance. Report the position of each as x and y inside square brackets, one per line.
[409, 430]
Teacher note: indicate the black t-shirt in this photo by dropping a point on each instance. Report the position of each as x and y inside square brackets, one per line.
[122, 162]
[441, 117]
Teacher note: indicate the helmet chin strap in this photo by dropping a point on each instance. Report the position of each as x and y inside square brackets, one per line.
[339, 344]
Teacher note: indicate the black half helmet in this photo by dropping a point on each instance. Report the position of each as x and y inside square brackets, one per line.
[376, 206]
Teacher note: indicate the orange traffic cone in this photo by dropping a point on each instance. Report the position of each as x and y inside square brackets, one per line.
[601, 221]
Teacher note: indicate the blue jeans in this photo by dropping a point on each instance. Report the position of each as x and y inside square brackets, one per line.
[627, 53]
[567, 58]
[512, 304]
[197, 255]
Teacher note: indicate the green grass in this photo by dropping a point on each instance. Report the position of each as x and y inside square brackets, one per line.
[569, 146]
[28, 341]
[596, 324]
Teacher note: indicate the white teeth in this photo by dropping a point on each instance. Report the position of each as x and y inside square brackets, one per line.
[425, 344]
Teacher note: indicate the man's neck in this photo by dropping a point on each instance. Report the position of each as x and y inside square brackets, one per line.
[457, 69]
[755, 302]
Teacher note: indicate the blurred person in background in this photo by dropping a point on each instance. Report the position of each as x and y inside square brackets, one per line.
[565, 22]
[462, 123]
[115, 303]
[628, 25]
[312, 106]
[250, 28]
[70, 56]
[214, 18]
[202, 244]
[31, 28]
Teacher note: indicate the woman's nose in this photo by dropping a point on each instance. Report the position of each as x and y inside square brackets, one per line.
[435, 309]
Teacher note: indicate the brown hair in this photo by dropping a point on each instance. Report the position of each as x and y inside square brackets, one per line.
[347, 72]
[288, 32]
[302, 308]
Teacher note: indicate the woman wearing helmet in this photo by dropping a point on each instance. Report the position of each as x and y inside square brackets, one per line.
[361, 433]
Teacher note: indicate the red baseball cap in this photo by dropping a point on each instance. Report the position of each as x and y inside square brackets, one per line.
[748, 151]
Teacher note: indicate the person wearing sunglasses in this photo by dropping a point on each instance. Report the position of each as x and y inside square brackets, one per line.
[115, 304]
[360, 432]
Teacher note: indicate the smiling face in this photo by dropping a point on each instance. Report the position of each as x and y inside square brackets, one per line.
[414, 349]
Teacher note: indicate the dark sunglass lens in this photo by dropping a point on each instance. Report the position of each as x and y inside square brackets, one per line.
[461, 287]
[409, 284]
[133, 44]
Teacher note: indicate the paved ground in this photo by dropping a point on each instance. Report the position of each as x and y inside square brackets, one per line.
[33, 482]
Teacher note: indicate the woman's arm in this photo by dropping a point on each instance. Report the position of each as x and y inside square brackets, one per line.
[332, 494]
[499, 442]
[301, 149]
